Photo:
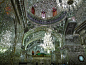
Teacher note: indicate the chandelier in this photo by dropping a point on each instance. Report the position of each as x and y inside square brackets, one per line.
[48, 42]
[6, 39]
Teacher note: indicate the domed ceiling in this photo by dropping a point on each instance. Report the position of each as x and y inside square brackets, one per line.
[48, 12]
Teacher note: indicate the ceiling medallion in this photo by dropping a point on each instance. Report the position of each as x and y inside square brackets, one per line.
[70, 2]
[69, 5]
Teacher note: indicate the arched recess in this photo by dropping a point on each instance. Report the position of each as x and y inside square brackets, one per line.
[42, 28]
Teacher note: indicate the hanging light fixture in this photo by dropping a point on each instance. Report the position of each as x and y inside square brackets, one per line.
[48, 42]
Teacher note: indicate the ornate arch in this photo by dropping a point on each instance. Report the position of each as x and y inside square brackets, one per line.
[43, 28]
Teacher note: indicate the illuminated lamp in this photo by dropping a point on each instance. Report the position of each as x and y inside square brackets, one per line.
[81, 58]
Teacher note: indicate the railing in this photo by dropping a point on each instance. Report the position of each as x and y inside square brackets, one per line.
[81, 27]
[48, 21]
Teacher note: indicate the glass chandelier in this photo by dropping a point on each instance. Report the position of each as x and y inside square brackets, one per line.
[48, 42]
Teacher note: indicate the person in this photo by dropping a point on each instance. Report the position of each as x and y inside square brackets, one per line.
[32, 52]
[36, 63]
